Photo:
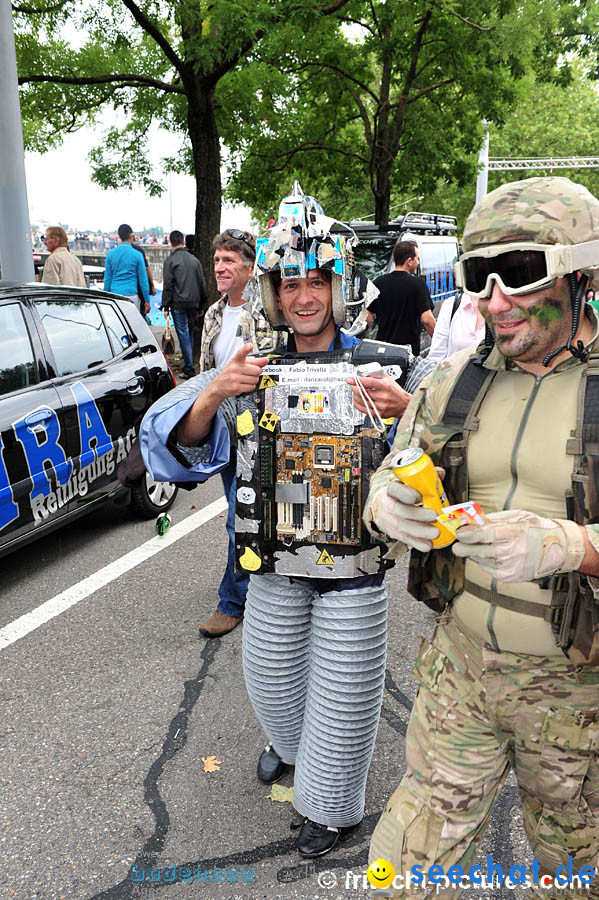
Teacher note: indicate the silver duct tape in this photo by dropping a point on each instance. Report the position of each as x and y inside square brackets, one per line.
[303, 561]
[313, 398]
[247, 526]
[246, 452]
[370, 294]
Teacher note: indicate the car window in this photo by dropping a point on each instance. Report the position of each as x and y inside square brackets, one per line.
[117, 330]
[432, 255]
[17, 363]
[76, 333]
[373, 254]
[451, 252]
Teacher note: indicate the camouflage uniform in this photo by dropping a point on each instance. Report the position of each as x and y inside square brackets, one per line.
[495, 689]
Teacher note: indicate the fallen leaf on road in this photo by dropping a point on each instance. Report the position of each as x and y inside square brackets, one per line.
[281, 794]
[211, 763]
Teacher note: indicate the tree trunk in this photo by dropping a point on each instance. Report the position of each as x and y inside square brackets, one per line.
[381, 166]
[382, 200]
[206, 161]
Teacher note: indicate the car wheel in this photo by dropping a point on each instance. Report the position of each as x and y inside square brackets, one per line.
[151, 497]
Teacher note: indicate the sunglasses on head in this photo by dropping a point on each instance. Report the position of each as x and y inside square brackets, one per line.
[242, 236]
[521, 268]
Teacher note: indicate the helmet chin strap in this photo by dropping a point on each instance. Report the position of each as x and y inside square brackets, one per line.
[489, 341]
[578, 289]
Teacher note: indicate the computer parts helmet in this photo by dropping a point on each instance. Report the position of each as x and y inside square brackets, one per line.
[302, 239]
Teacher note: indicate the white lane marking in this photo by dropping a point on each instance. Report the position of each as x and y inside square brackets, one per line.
[58, 604]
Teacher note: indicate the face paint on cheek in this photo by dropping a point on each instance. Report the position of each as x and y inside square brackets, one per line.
[549, 312]
[482, 308]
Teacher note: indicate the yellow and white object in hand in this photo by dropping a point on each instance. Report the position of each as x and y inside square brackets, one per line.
[414, 468]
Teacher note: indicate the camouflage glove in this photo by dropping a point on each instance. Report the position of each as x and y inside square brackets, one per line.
[394, 513]
[517, 545]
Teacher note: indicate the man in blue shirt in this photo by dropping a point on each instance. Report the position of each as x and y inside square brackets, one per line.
[126, 272]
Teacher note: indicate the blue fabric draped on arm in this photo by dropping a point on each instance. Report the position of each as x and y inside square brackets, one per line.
[195, 464]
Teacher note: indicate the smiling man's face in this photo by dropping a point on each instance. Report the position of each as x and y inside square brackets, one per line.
[232, 272]
[528, 327]
[307, 305]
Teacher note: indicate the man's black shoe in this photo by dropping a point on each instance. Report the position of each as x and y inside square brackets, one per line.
[271, 767]
[315, 839]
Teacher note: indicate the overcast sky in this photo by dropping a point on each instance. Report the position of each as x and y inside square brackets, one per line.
[60, 191]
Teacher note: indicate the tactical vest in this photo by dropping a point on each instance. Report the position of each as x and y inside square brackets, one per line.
[437, 577]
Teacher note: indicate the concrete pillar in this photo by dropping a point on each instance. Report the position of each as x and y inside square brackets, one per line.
[16, 256]
[483, 168]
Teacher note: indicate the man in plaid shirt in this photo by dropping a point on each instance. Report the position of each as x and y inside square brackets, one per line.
[228, 324]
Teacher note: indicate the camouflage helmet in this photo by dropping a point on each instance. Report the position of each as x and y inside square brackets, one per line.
[302, 239]
[551, 210]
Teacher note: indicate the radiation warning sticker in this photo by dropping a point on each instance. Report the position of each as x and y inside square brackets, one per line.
[269, 420]
[245, 423]
[325, 559]
[250, 560]
[267, 381]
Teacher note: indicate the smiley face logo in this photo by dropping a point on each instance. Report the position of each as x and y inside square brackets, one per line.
[246, 494]
[380, 873]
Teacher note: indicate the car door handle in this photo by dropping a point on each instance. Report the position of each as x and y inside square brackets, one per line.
[135, 385]
[37, 417]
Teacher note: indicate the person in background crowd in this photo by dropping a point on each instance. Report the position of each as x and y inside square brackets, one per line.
[152, 288]
[404, 303]
[125, 271]
[459, 325]
[61, 267]
[183, 294]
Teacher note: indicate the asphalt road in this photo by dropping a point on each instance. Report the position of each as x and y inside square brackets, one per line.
[107, 710]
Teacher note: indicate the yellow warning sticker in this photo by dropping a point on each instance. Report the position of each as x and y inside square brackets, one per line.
[325, 559]
[267, 381]
[250, 560]
[269, 420]
[245, 423]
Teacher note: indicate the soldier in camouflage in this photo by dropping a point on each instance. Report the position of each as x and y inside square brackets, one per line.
[510, 678]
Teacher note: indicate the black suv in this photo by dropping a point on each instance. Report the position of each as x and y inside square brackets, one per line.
[435, 235]
[78, 369]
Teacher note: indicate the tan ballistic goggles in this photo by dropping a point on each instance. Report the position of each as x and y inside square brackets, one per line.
[520, 267]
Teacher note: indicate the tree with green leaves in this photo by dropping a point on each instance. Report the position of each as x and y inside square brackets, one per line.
[548, 120]
[154, 61]
[393, 102]
[362, 100]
